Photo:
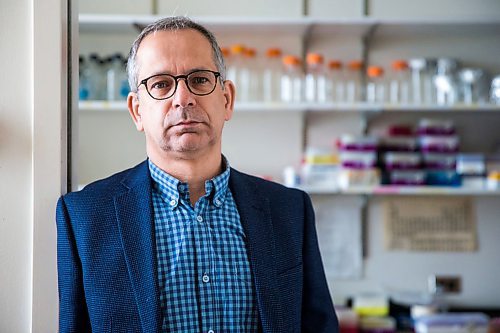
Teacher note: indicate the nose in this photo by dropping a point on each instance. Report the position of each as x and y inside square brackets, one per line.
[182, 96]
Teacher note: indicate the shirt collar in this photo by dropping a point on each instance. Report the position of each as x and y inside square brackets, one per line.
[171, 188]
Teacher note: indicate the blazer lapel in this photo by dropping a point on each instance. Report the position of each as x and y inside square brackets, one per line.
[135, 220]
[256, 220]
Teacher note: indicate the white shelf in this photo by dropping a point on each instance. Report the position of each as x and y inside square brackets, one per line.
[403, 190]
[99, 23]
[118, 106]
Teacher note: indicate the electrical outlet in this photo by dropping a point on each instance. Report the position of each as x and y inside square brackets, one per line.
[441, 284]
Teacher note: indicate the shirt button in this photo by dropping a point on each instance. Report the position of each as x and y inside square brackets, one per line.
[199, 218]
[205, 279]
[173, 202]
[210, 331]
[217, 202]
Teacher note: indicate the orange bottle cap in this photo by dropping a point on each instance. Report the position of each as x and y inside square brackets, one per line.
[291, 60]
[237, 48]
[355, 65]
[250, 53]
[314, 58]
[273, 52]
[375, 71]
[225, 51]
[399, 65]
[335, 64]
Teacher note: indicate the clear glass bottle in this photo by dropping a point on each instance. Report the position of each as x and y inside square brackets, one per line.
[445, 81]
[291, 80]
[422, 73]
[495, 90]
[239, 72]
[473, 86]
[335, 83]
[315, 81]
[354, 87]
[124, 86]
[97, 90]
[114, 78]
[375, 87]
[399, 84]
[83, 79]
[271, 76]
[254, 75]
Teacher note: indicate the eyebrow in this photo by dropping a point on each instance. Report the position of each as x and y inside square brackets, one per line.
[189, 71]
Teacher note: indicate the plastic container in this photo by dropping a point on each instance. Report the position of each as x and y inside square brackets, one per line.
[378, 325]
[358, 143]
[402, 161]
[400, 130]
[375, 88]
[443, 178]
[315, 81]
[439, 143]
[435, 127]
[354, 88]
[452, 323]
[493, 180]
[291, 81]
[349, 177]
[471, 164]
[439, 161]
[348, 320]
[407, 177]
[399, 84]
[358, 159]
[399, 143]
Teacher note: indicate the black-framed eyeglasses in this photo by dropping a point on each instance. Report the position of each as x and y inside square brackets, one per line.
[199, 82]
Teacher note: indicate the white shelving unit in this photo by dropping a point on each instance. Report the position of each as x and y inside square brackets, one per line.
[306, 28]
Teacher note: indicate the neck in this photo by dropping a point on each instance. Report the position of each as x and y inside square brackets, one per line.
[193, 171]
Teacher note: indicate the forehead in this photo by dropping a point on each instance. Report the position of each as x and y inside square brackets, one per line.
[174, 50]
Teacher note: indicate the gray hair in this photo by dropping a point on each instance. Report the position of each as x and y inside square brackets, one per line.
[172, 24]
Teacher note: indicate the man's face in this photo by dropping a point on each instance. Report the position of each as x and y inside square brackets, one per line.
[185, 125]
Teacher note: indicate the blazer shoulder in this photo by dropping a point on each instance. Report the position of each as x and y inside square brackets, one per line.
[109, 186]
[270, 188]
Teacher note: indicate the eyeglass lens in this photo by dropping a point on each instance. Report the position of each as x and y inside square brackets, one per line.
[199, 83]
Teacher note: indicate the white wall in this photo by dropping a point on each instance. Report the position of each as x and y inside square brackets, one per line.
[31, 160]
[16, 206]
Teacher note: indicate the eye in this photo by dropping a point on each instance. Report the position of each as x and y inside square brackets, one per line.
[200, 80]
[164, 84]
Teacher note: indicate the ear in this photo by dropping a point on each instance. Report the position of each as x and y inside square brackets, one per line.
[229, 96]
[133, 109]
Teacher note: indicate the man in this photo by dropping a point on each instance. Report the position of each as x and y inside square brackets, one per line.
[182, 242]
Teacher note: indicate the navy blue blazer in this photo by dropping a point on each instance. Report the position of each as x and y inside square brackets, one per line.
[107, 261]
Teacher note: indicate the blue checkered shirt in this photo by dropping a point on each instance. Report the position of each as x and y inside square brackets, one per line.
[204, 274]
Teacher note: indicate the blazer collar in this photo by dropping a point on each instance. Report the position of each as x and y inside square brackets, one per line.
[255, 215]
[134, 211]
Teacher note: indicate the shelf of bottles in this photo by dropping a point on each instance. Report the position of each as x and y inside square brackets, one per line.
[403, 190]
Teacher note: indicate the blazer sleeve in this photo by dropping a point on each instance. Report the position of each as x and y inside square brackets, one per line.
[73, 314]
[318, 314]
